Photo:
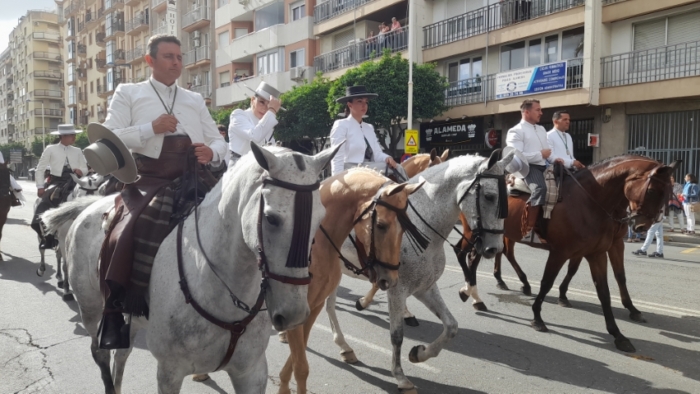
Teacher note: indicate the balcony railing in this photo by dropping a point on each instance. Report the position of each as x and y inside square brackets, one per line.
[47, 93]
[160, 30]
[362, 51]
[135, 53]
[81, 26]
[46, 112]
[100, 63]
[483, 88]
[156, 3]
[109, 4]
[204, 90]
[82, 97]
[196, 55]
[332, 8]
[657, 64]
[194, 16]
[82, 49]
[100, 38]
[47, 74]
[606, 2]
[46, 36]
[116, 26]
[41, 130]
[53, 56]
[136, 22]
[493, 17]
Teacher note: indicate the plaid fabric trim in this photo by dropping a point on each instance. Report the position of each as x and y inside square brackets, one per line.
[552, 192]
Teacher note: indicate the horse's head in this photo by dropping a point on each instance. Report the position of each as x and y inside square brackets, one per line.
[648, 189]
[380, 226]
[279, 223]
[419, 163]
[484, 203]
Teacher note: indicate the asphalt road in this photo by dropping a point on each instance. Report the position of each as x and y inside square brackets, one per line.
[44, 348]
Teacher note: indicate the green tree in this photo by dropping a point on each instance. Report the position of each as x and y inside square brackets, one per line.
[306, 116]
[388, 77]
[6, 148]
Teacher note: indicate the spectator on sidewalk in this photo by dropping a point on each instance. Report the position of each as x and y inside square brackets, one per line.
[675, 207]
[691, 196]
[657, 229]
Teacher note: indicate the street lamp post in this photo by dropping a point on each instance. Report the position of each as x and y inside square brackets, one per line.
[43, 124]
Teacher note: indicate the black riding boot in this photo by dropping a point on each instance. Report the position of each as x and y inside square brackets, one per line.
[111, 332]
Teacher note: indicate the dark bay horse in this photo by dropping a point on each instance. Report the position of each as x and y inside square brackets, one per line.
[6, 197]
[591, 221]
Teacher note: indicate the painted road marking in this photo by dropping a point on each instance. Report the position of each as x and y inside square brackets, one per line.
[691, 250]
[376, 348]
[591, 294]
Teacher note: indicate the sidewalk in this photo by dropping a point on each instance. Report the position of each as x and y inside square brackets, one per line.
[680, 238]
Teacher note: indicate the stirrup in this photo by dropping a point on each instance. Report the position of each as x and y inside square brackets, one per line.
[533, 238]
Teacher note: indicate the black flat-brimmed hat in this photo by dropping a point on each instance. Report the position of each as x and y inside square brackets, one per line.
[107, 154]
[353, 92]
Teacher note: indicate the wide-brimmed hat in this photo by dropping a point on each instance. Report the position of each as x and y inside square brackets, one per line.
[66, 129]
[107, 154]
[519, 165]
[353, 92]
[265, 90]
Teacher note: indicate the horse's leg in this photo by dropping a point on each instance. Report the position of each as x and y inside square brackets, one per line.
[497, 272]
[42, 264]
[365, 301]
[298, 339]
[295, 339]
[67, 293]
[397, 305]
[170, 377]
[253, 381]
[120, 357]
[346, 352]
[617, 260]
[101, 357]
[509, 247]
[470, 288]
[574, 264]
[551, 270]
[599, 270]
[59, 273]
[433, 300]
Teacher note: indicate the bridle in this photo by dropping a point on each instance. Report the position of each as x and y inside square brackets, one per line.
[369, 262]
[296, 258]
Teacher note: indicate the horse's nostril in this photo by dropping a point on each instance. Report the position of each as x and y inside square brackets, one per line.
[278, 321]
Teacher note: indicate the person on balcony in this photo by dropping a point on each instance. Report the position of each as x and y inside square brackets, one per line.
[254, 124]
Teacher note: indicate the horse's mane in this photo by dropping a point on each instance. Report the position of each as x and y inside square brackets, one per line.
[453, 163]
[617, 158]
[605, 164]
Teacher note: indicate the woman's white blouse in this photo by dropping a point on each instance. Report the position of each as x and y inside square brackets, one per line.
[353, 151]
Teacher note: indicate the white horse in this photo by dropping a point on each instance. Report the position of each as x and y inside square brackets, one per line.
[252, 206]
[87, 185]
[449, 188]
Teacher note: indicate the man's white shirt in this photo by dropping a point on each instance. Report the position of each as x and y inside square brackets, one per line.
[56, 156]
[562, 147]
[244, 127]
[530, 140]
[353, 151]
[135, 106]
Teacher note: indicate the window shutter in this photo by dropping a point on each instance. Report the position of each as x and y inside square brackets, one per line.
[344, 38]
[650, 35]
[684, 28]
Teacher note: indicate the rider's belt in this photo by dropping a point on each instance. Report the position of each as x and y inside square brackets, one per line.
[171, 162]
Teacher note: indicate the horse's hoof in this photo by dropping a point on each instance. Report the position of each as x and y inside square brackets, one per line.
[40, 272]
[463, 296]
[358, 305]
[502, 286]
[68, 297]
[638, 317]
[349, 357]
[408, 391]
[624, 344]
[480, 306]
[283, 337]
[60, 284]
[411, 321]
[564, 302]
[200, 377]
[539, 326]
[526, 290]
[413, 355]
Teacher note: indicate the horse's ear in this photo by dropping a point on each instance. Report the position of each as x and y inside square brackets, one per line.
[445, 155]
[433, 154]
[265, 158]
[322, 159]
[676, 163]
[414, 187]
[493, 159]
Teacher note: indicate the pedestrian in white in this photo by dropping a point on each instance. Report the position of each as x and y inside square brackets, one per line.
[361, 143]
[656, 230]
[255, 123]
[691, 196]
[561, 143]
[675, 207]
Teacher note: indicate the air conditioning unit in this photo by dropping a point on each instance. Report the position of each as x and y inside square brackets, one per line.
[195, 35]
[297, 73]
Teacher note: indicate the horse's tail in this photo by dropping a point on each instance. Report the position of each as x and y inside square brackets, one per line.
[67, 212]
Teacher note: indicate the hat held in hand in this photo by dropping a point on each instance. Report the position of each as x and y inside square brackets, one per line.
[107, 154]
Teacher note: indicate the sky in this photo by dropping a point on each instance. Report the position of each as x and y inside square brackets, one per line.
[12, 10]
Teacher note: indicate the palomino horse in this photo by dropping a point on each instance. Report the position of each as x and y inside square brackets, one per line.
[86, 186]
[258, 218]
[374, 206]
[590, 222]
[467, 184]
[413, 166]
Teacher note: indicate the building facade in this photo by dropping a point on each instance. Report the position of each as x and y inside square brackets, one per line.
[6, 82]
[33, 97]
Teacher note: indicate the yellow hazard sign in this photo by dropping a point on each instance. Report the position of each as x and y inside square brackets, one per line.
[411, 142]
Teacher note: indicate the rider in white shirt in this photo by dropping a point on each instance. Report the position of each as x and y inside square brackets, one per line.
[561, 143]
[257, 123]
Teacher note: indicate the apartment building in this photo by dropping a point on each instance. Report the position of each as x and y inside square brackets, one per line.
[262, 40]
[33, 89]
[6, 81]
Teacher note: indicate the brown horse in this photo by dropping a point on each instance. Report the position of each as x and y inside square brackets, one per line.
[6, 197]
[363, 200]
[590, 222]
[413, 166]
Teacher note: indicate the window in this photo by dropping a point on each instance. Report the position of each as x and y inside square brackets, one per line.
[566, 45]
[91, 87]
[513, 56]
[269, 62]
[238, 32]
[270, 15]
[222, 3]
[298, 10]
[90, 38]
[667, 31]
[224, 79]
[535, 52]
[223, 39]
[297, 58]
[551, 45]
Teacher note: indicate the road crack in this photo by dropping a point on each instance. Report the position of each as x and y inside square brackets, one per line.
[37, 384]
